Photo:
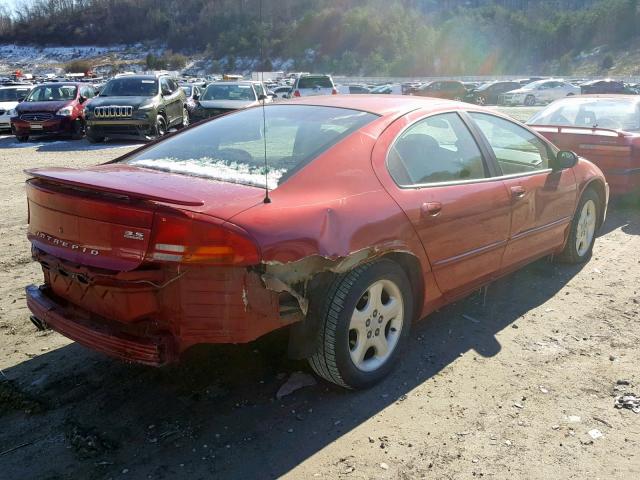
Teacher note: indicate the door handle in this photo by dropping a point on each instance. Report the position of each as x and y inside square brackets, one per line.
[431, 208]
[518, 191]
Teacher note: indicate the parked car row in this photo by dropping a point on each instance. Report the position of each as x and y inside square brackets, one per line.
[126, 107]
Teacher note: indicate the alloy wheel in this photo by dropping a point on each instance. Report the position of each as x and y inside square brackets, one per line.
[376, 325]
[586, 227]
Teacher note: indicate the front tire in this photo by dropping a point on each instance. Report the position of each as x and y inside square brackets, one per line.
[582, 235]
[22, 138]
[365, 321]
[94, 139]
[530, 101]
[161, 126]
[78, 130]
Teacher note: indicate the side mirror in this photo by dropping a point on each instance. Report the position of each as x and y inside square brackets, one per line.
[196, 96]
[262, 96]
[565, 159]
[166, 91]
[21, 99]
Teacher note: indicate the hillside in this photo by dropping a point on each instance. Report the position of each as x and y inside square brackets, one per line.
[351, 37]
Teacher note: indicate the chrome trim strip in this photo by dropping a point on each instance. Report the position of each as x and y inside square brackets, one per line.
[542, 228]
[470, 253]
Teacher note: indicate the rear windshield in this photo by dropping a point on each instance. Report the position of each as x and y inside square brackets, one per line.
[130, 87]
[232, 147]
[52, 93]
[617, 114]
[229, 92]
[315, 82]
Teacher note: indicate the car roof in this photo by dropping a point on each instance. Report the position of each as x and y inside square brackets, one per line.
[62, 84]
[378, 104]
[234, 82]
[140, 77]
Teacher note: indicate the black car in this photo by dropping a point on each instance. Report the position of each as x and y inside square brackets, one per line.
[489, 93]
[604, 86]
[136, 106]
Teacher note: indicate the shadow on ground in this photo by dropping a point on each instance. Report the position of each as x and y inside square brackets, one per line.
[95, 417]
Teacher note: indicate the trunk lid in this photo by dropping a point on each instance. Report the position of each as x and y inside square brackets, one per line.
[611, 150]
[103, 216]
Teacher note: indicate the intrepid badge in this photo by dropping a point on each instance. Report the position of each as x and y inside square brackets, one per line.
[62, 243]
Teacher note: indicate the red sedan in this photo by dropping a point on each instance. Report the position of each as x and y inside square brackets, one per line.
[52, 109]
[603, 128]
[367, 213]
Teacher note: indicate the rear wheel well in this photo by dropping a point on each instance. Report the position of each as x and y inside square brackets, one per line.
[303, 334]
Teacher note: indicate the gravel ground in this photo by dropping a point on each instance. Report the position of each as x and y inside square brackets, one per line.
[504, 386]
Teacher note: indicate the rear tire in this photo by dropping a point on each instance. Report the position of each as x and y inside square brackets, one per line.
[582, 235]
[22, 138]
[530, 101]
[364, 319]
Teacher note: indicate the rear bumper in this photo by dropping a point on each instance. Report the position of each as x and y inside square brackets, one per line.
[155, 350]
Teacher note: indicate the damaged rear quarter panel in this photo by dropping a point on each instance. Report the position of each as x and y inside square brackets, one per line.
[330, 216]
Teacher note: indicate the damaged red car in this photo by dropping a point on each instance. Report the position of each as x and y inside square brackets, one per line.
[366, 213]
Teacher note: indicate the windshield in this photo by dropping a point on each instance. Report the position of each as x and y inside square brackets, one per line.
[12, 94]
[232, 148]
[315, 82]
[187, 91]
[229, 92]
[130, 87]
[617, 114]
[52, 93]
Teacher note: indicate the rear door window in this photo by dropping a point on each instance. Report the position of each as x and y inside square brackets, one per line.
[437, 149]
[517, 150]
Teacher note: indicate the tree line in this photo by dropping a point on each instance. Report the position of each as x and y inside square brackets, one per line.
[366, 37]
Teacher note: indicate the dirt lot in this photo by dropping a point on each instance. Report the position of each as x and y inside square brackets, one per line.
[508, 389]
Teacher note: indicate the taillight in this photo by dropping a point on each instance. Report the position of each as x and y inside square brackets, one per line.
[296, 93]
[185, 240]
[334, 92]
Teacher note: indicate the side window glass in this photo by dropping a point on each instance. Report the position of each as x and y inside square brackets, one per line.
[437, 149]
[165, 85]
[516, 148]
[259, 90]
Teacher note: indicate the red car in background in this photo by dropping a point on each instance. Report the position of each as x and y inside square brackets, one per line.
[52, 109]
[367, 213]
[602, 128]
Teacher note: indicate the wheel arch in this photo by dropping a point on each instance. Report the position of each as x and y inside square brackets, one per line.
[303, 334]
[599, 188]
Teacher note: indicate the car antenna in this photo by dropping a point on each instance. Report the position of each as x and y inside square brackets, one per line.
[264, 115]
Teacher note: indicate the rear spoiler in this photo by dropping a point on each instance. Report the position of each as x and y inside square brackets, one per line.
[114, 183]
[605, 132]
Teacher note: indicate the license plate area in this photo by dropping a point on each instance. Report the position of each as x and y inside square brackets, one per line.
[36, 126]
